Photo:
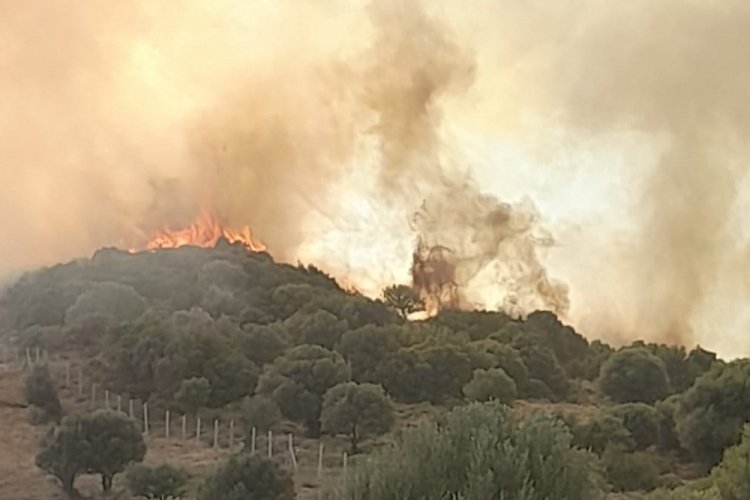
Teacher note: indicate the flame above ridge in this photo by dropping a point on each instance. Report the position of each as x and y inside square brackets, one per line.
[205, 232]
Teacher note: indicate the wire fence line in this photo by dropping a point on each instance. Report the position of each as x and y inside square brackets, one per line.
[159, 422]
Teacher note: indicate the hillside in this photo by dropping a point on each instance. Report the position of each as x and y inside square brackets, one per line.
[271, 339]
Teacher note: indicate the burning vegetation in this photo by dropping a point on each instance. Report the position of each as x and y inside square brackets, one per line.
[205, 232]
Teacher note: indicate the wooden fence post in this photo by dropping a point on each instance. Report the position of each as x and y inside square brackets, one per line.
[80, 382]
[184, 427]
[231, 435]
[198, 431]
[216, 434]
[253, 437]
[106, 399]
[270, 444]
[320, 462]
[166, 424]
[131, 413]
[67, 374]
[93, 394]
[145, 418]
[291, 451]
[119, 403]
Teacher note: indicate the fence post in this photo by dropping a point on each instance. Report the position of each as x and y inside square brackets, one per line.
[80, 382]
[119, 403]
[198, 431]
[93, 394]
[29, 362]
[270, 444]
[184, 427]
[145, 418]
[346, 463]
[67, 374]
[38, 356]
[131, 413]
[291, 451]
[216, 434]
[231, 435]
[166, 424]
[320, 462]
[106, 399]
[253, 437]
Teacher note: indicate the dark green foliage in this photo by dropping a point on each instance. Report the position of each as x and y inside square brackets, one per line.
[103, 443]
[711, 414]
[732, 476]
[543, 366]
[42, 393]
[298, 380]
[666, 410]
[479, 452]
[406, 376]
[601, 433]
[356, 410]
[682, 368]
[476, 325]
[193, 395]
[111, 302]
[632, 471]
[368, 349]
[403, 299]
[449, 369]
[260, 412]
[319, 328]
[491, 384]
[248, 477]
[642, 421]
[634, 375]
[163, 482]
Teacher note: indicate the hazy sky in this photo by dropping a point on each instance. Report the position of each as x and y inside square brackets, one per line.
[619, 127]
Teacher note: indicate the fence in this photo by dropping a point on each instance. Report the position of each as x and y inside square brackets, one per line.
[161, 423]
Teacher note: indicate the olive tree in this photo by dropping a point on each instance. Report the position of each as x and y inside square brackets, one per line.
[356, 410]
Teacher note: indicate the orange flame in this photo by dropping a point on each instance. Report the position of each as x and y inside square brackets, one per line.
[205, 232]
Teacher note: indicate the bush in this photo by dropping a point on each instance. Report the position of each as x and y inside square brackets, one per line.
[732, 476]
[641, 421]
[42, 393]
[480, 451]
[260, 412]
[634, 375]
[157, 483]
[248, 477]
[193, 394]
[711, 414]
[492, 384]
[357, 411]
[103, 442]
[632, 471]
[604, 431]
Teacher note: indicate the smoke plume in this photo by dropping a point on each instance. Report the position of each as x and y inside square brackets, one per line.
[365, 137]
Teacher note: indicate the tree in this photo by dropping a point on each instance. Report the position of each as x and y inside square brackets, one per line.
[630, 471]
[248, 477]
[356, 410]
[260, 412]
[193, 394]
[164, 482]
[114, 441]
[64, 454]
[367, 349]
[711, 413]
[403, 299]
[480, 451]
[41, 393]
[298, 380]
[492, 384]
[108, 301]
[103, 442]
[634, 375]
[732, 476]
[642, 421]
[602, 432]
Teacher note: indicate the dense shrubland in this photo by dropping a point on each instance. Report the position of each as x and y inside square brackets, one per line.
[198, 330]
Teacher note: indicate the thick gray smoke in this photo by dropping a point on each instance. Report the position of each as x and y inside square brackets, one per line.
[120, 119]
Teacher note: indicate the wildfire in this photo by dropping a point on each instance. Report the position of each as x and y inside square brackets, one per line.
[205, 232]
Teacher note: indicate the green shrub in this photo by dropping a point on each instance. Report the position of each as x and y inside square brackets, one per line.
[634, 375]
[248, 477]
[642, 421]
[491, 384]
[157, 483]
[42, 393]
[632, 471]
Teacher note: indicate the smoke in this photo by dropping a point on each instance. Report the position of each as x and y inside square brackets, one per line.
[353, 134]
